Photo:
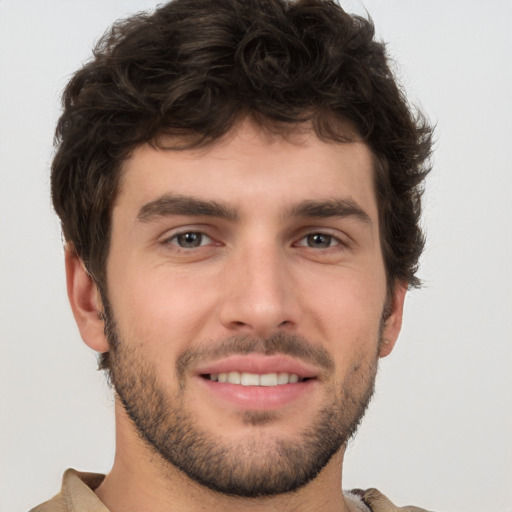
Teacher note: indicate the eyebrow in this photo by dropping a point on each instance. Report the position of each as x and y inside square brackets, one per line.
[169, 204]
[342, 208]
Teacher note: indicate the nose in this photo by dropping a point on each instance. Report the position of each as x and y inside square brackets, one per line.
[259, 296]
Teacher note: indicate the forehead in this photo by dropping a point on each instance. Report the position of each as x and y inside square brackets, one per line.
[252, 166]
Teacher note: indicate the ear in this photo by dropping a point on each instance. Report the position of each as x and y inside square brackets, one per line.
[393, 324]
[85, 302]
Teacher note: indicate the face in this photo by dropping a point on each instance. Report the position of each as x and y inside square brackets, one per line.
[246, 291]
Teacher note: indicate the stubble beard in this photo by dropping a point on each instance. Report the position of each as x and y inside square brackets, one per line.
[261, 465]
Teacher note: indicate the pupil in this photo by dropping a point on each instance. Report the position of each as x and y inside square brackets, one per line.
[189, 240]
[319, 240]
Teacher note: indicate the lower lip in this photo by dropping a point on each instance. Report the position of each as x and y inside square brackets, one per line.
[259, 398]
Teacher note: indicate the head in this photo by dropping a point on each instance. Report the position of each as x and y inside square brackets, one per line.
[207, 78]
[194, 69]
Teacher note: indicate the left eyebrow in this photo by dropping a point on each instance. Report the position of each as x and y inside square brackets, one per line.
[342, 208]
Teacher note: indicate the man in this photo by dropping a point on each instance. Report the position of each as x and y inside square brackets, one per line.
[239, 188]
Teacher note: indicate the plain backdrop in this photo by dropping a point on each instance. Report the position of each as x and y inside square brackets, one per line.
[439, 431]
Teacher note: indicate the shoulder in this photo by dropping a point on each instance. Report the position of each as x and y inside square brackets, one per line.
[56, 504]
[77, 493]
[374, 501]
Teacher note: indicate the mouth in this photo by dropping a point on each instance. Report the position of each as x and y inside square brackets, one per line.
[258, 382]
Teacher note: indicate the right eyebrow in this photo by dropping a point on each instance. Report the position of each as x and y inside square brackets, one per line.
[170, 204]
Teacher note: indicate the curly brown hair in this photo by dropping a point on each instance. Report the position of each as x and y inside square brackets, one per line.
[196, 67]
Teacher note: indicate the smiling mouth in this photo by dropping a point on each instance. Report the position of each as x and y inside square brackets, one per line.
[255, 379]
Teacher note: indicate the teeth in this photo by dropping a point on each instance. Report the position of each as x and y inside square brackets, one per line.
[255, 379]
[294, 378]
[269, 379]
[283, 378]
[234, 378]
[249, 379]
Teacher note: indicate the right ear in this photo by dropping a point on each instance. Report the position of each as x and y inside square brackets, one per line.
[85, 302]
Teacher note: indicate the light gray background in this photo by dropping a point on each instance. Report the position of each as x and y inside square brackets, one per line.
[439, 433]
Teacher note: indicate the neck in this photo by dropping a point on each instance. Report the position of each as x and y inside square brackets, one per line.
[141, 480]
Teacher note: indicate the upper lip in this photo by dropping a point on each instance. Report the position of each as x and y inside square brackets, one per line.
[260, 364]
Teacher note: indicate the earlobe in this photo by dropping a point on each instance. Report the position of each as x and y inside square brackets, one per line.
[85, 302]
[393, 324]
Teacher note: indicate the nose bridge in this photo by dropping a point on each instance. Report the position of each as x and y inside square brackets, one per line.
[257, 295]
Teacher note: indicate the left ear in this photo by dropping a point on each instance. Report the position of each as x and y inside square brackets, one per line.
[393, 324]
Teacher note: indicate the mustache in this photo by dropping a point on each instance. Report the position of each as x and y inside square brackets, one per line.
[279, 343]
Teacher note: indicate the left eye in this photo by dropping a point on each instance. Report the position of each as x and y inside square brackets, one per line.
[318, 241]
[190, 240]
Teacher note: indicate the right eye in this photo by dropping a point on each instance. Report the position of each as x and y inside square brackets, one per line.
[190, 240]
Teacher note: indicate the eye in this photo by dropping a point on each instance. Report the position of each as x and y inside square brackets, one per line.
[318, 241]
[190, 240]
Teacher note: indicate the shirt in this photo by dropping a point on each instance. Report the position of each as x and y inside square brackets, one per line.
[77, 495]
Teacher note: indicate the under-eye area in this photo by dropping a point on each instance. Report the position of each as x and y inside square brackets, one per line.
[255, 379]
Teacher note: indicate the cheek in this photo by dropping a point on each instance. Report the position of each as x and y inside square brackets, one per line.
[347, 299]
[160, 308]
[347, 310]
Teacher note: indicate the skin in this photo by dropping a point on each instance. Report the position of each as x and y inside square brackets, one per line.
[254, 275]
